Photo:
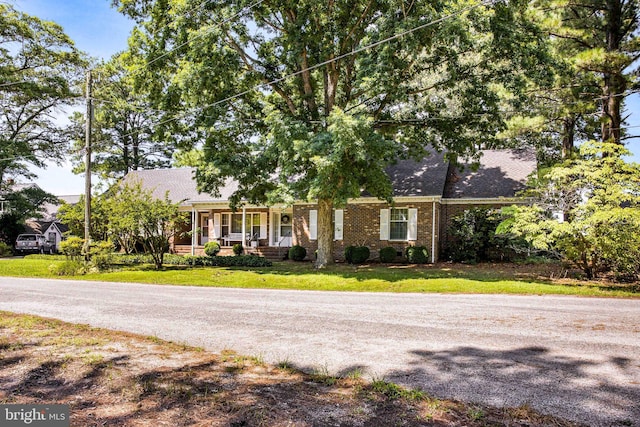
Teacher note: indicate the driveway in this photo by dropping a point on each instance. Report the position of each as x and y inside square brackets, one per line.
[577, 358]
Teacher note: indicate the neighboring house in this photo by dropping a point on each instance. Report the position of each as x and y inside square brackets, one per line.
[427, 194]
[53, 231]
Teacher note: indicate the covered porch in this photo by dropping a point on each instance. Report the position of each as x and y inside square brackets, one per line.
[257, 229]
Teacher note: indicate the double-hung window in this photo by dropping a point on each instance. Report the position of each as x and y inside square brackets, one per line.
[398, 224]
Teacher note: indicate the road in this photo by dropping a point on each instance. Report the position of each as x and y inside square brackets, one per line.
[578, 358]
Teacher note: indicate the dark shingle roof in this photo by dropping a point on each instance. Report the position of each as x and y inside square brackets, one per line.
[424, 178]
[502, 173]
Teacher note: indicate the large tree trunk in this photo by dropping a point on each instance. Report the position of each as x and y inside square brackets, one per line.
[615, 84]
[568, 136]
[325, 233]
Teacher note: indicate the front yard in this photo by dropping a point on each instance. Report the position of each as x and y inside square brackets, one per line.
[541, 279]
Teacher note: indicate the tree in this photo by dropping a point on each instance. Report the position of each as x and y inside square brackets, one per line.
[123, 132]
[21, 204]
[137, 215]
[311, 100]
[601, 38]
[39, 66]
[586, 210]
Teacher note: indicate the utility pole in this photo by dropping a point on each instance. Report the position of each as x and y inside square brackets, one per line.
[87, 171]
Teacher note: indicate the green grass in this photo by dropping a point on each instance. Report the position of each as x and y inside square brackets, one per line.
[302, 276]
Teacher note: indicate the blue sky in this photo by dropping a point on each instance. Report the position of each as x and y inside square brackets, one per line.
[101, 31]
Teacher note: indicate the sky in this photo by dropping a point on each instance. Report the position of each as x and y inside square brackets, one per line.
[101, 31]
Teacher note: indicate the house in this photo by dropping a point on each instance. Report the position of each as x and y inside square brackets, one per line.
[427, 194]
[53, 231]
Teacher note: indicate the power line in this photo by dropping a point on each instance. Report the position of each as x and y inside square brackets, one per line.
[322, 64]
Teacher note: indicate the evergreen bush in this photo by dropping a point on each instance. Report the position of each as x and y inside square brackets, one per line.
[359, 254]
[212, 248]
[238, 249]
[417, 254]
[387, 254]
[297, 253]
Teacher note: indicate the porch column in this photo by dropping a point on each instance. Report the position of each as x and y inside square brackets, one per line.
[194, 235]
[244, 226]
[433, 234]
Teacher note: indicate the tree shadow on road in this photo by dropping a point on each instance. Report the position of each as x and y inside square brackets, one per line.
[576, 388]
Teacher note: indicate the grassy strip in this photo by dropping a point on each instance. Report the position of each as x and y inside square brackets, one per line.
[302, 276]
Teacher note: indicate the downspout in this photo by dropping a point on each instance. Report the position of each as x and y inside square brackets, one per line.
[433, 234]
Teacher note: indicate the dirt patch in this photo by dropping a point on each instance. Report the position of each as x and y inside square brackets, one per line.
[117, 379]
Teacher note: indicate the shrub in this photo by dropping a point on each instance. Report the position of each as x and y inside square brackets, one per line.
[387, 254]
[72, 247]
[5, 250]
[348, 254]
[359, 254]
[238, 249]
[219, 261]
[67, 268]
[212, 248]
[297, 253]
[417, 254]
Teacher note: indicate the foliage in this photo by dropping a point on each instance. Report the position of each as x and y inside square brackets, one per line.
[212, 248]
[388, 254]
[70, 267]
[596, 197]
[417, 254]
[5, 250]
[237, 249]
[297, 253]
[100, 255]
[72, 248]
[473, 238]
[356, 254]
[39, 67]
[72, 215]
[219, 261]
[11, 225]
[123, 126]
[335, 113]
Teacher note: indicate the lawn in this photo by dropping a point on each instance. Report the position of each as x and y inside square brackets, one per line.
[439, 278]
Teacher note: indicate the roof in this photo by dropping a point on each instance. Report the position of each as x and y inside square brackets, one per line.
[40, 227]
[501, 173]
[180, 183]
[427, 177]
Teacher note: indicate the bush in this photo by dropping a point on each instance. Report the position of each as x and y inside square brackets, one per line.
[417, 254]
[72, 247]
[357, 254]
[297, 253]
[238, 249]
[212, 248]
[473, 238]
[348, 254]
[219, 261]
[388, 254]
[67, 268]
[5, 250]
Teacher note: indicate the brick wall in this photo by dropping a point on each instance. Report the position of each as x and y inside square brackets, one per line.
[362, 227]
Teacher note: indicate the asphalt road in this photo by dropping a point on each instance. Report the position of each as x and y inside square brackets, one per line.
[578, 358]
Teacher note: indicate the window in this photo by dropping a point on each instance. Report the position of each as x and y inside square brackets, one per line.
[252, 224]
[398, 224]
[231, 223]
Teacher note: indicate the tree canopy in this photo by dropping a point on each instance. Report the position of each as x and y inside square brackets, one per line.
[307, 100]
[39, 66]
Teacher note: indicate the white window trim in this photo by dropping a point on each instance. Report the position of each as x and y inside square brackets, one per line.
[412, 225]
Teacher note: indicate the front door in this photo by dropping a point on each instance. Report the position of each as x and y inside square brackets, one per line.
[283, 230]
